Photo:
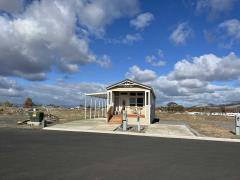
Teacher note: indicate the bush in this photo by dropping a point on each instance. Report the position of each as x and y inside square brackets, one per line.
[28, 103]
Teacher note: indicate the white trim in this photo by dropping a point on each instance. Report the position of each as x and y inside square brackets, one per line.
[127, 80]
[102, 95]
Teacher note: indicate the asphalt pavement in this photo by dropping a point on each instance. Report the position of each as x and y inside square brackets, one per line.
[38, 154]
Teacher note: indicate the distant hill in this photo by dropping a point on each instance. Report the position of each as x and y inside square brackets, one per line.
[232, 105]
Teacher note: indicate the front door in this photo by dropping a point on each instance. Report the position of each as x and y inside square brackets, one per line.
[124, 102]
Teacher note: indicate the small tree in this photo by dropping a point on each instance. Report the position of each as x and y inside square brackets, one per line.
[28, 103]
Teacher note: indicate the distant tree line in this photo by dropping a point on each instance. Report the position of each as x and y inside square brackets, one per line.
[28, 103]
[172, 107]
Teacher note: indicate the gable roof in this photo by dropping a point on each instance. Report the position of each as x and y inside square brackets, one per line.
[128, 81]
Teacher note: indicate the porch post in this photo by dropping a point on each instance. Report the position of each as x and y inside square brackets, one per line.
[102, 108]
[98, 107]
[145, 103]
[90, 113]
[105, 108]
[95, 106]
[85, 107]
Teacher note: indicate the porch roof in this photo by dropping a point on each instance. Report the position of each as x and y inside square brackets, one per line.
[102, 95]
[130, 82]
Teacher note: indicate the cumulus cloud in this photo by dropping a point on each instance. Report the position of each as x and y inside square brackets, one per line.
[142, 20]
[189, 91]
[10, 89]
[62, 93]
[214, 7]
[95, 15]
[31, 45]
[196, 81]
[181, 34]
[208, 67]
[139, 75]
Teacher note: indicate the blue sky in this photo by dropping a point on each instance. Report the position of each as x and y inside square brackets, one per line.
[54, 51]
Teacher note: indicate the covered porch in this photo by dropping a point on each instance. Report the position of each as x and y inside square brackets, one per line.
[95, 105]
[132, 101]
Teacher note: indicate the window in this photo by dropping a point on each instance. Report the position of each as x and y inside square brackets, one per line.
[132, 94]
[124, 93]
[140, 94]
[132, 102]
[140, 102]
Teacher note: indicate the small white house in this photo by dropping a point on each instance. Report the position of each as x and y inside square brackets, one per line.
[126, 95]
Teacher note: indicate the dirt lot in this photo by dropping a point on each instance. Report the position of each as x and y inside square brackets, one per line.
[216, 126]
[9, 116]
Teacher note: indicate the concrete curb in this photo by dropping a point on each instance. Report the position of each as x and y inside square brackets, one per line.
[146, 135]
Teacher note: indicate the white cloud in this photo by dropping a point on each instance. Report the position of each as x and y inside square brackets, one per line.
[160, 53]
[181, 34]
[214, 7]
[95, 15]
[44, 35]
[105, 61]
[194, 82]
[232, 28]
[9, 88]
[131, 38]
[137, 74]
[11, 6]
[153, 60]
[208, 67]
[62, 93]
[142, 20]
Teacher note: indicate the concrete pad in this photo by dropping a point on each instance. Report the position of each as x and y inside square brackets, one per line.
[80, 125]
[166, 129]
[101, 125]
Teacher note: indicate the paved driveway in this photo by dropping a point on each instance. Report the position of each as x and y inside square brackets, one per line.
[38, 154]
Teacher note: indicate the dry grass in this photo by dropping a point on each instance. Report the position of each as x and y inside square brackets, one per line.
[215, 126]
[212, 130]
[186, 117]
[65, 115]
